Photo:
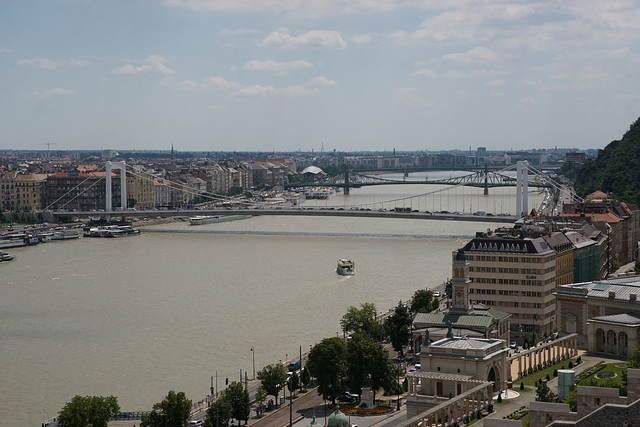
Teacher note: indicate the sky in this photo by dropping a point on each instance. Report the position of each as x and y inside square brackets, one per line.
[321, 75]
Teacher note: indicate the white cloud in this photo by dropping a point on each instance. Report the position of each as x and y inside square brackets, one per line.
[496, 83]
[424, 72]
[277, 66]
[48, 64]
[529, 100]
[218, 82]
[5, 50]
[321, 81]
[189, 85]
[152, 64]
[315, 38]
[361, 39]
[48, 94]
[265, 91]
[409, 94]
[476, 54]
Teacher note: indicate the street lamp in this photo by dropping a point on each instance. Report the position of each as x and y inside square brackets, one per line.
[253, 355]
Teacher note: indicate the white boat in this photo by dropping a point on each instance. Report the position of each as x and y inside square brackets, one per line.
[320, 193]
[346, 267]
[212, 219]
[65, 235]
[5, 256]
[111, 231]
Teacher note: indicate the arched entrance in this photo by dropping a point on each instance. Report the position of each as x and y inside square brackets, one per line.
[600, 341]
[494, 376]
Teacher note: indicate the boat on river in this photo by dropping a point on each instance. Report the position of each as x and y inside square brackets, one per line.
[346, 267]
[111, 231]
[212, 219]
[5, 256]
[65, 235]
[18, 240]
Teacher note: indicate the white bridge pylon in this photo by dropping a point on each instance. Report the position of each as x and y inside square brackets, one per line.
[522, 189]
[123, 185]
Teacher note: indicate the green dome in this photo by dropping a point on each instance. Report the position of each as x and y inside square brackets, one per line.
[313, 422]
[338, 419]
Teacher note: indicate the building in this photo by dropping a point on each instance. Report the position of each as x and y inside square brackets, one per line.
[517, 276]
[80, 190]
[456, 367]
[605, 314]
[464, 319]
[30, 192]
[7, 192]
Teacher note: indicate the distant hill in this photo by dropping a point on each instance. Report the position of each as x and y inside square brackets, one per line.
[616, 170]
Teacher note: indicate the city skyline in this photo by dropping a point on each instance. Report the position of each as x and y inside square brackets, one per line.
[274, 75]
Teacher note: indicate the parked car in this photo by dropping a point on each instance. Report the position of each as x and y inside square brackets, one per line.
[436, 294]
[513, 345]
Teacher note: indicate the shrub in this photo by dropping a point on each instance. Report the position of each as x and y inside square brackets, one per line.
[490, 406]
[579, 360]
[548, 379]
[555, 372]
[570, 364]
[499, 399]
[521, 386]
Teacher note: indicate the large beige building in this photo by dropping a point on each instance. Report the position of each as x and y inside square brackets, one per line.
[517, 276]
[30, 192]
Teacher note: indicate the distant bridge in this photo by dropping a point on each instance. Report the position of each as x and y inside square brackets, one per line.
[482, 179]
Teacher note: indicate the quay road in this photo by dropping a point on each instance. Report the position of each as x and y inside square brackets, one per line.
[68, 216]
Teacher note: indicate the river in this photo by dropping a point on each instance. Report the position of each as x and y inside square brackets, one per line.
[136, 317]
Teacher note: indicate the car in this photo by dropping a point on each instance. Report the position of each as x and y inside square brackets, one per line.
[294, 365]
[345, 398]
[513, 345]
[418, 365]
[436, 294]
[196, 422]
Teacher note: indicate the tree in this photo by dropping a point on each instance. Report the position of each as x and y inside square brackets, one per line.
[305, 377]
[239, 400]
[88, 411]
[218, 414]
[294, 382]
[273, 378]
[421, 301]
[543, 393]
[361, 320]
[327, 364]
[366, 358]
[173, 411]
[634, 359]
[397, 326]
[261, 397]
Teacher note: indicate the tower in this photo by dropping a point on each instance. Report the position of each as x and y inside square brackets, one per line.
[460, 285]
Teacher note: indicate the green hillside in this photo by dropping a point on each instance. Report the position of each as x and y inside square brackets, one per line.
[616, 170]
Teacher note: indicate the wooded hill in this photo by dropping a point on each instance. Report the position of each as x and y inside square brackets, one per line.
[616, 170]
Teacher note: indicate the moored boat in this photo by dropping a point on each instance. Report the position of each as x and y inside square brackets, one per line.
[346, 267]
[5, 256]
[212, 219]
[65, 235]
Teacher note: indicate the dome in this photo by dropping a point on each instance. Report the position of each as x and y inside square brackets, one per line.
[460, 256]
[338, 419]
[313, 422]
[312, 169]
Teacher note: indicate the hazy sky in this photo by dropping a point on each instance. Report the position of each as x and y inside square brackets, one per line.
[291, 75]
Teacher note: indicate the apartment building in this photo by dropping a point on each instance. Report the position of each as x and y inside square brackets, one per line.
[517, 276]
[30, 192]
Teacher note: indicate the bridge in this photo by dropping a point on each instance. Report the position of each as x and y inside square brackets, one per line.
[483, 179]
[403, 204]
[68, 216]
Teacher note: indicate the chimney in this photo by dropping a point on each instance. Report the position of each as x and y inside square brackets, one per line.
[612, 294]
[633, 297]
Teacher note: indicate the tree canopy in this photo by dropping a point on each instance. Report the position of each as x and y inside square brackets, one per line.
[361, 320]
[397, 326]
[88, 411]
[367, 360]
[634, 359]
[239, 400]
[614, 171]
[218, 414]
[327, 364]
[173, 411]
[273, 378]
[422, 301]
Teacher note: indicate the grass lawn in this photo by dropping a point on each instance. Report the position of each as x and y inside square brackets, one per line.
[610, 376]
[533, 378]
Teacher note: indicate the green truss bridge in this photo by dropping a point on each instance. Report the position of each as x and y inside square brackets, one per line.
[482, 179]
